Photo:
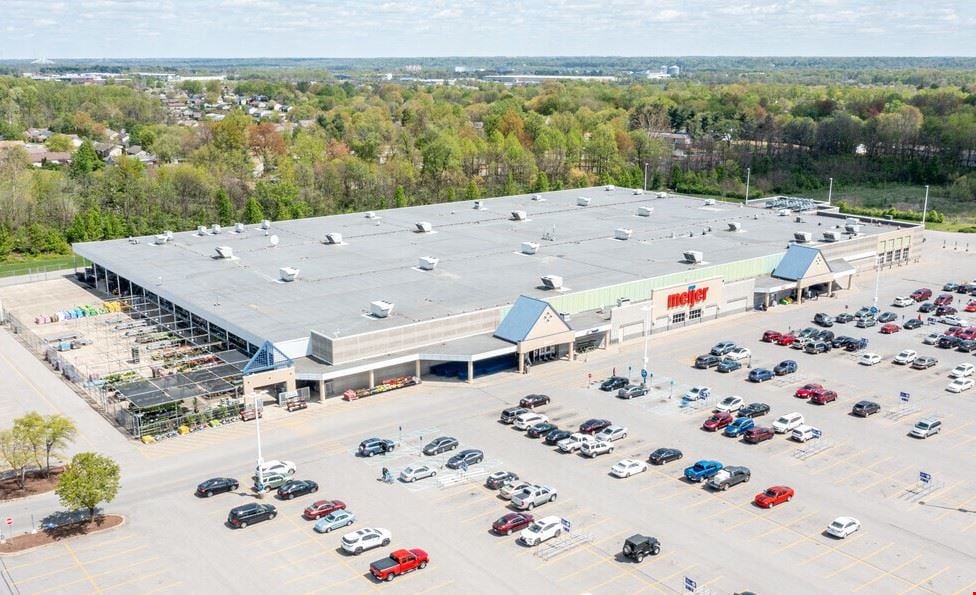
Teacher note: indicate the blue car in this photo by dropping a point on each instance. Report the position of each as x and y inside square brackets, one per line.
[703, 470]
[785, 367]
[335, 520]
[761, 375]
[739, 426]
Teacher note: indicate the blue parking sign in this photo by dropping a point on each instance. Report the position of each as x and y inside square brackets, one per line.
[816, 433]
[644, 373]
[924, 477]
[566, 525]
[904, 396]
[690, 585]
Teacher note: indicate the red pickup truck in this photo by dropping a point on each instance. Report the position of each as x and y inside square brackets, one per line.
[397, 563]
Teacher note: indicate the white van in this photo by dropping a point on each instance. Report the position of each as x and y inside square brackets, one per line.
[528, 419]
[788, 422]
[803, 433]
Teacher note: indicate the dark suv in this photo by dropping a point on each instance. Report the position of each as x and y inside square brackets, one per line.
[637, 547]
[865, 408]
[823, 319]
[373, 446]
[248, 514]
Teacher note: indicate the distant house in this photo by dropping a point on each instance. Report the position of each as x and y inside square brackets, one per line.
[107, 150]
[38, 135]
[679, 139]
[41, 158]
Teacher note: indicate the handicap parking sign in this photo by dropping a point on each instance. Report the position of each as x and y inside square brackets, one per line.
[816, 433]
[690, 585]
[924, 477]
[904, 396]
[566, 525]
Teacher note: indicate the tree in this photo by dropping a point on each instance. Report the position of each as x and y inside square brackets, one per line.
[89, 480]
[472, 192]
[29, 428]
[225, 210]
[85, 160]
[253, 213]
[400, 197]
[16, 454]
[59, 143]
[541, 182]
[58, 431]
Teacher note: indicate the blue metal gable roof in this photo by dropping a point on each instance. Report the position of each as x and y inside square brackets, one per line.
[520, 319]
[795, 262]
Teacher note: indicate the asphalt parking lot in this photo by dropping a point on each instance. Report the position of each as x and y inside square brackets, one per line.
[914, 538]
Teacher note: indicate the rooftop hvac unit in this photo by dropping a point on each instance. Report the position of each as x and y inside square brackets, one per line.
[565, 316]
[831, 236]
[783, 212]
[644, 211]
[662, 194]
[201, 230]
[225, 252]
[622, 233]
[638, 191]
[709, 202]
[239, 227]
[552, 282]
[333, 238]
[265, 224]
[288, 274]
[851, 221]
[160, 239]
[803, 237]
[370, 215]
[215, 228]
[529, 247]
[735, 226]
[428, 263]
[478, 205]
[169, 236]
[583, 201]
[424, 226]
[537, 197]
[852, 229]
[609, 187]
[519, 215]
[380, 308]
[694, 257]
[623, 302]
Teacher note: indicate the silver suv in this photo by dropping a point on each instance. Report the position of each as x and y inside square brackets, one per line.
[926, 427]
[532, 496]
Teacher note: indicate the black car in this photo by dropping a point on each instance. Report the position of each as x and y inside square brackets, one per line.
[703, 362]
[500, 478]
[469, 457]
[912, 324]
[927, 307]
[856, 344]
[945, 311]
[887, 317]
[374, 446]
[613, 383]
[844, 318]
[948, 342]
[865, 408]
[508, 415]
[785, 367]
[840, 342]
[728, 365]
[637, 547]
[754, 410]
[664, 455]
[553, 438]
[441, 444]
[248, 514]
[592, 426]
[216, 485]
[823, 319]
[297, 487]
[823, 335]
[965, 288]
[533, 401]
[967, 346]
[541, 430]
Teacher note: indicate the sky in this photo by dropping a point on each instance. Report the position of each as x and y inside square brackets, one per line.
[402, 28]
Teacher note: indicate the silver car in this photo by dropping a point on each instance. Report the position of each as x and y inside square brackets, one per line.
[415, 472]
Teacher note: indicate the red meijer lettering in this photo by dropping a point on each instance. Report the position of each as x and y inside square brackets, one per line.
[687, 298]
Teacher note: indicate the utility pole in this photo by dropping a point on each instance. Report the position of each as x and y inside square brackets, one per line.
[830, 191]
[257, 425]
[645, 176]
[748, 173]
[925, 207]
[647, 333]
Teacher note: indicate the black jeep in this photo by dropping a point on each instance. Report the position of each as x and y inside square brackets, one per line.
[638, 546]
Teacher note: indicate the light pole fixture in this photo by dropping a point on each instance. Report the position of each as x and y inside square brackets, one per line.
[647, 333]
[925, 207]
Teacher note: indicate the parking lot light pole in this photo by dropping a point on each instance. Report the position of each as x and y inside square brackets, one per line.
[830, 191]
[748, 173]
[877, 279]
[257, 425]
[647, 333]
[925, 207]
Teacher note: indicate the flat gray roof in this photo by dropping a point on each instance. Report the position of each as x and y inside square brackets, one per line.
[480, 266]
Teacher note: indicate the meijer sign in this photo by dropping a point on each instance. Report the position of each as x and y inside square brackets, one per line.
[688, 298]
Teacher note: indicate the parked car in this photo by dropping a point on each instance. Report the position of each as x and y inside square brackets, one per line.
[703, 470]
[336, 519]
[889, 329]
[632, 390]
[613, 383]
[275, 466]
[532, 401]
[217, 485]
[541, 429]
[596, 448]
[612, 433]
[532, 496]
[439, 445]
[628, 467]
[903, 301]
[962, 371]
[886, 317]
[824, 335]
[926, 427]
[511, 522]
[806, 390]
[529, 419]
[717, 421]
[823, 396]
[269, 482]
[866, 322]
[738, 354]
[804, 433]
[786, 340]
[414, 472]
[841, 341]
[497, 479]
[967, 346]
[703, 362]
[787, 366]
[375, 446]
[368, 538]
[770, 336]
[728, 365]
[865, 408]
[696, 393]
[922, 294]
[574, 442]
[757, 434]
[949, 342]
[320, 508]
[554, 437]
[823, 319]
[728, 477]
[592, 426]
[959, 385]
[843, 318]
[248, 514]
[541, 530]
[772, 496]
[754, 410]
[950, 286]
[953, 320]
[912, 324]
[945, 311]
[924, 362]
[399, 562]
[637, 547]
[761, 375]
[470, 456]
[508, 415]
[927, 307]
[944, 299]
[787, 422]
[905, 356]
[843, 526]
[722, 348]
[511, 488]
[664, 455]
[739, 426]
[297, 487]
[869, 359]
[932, 338]
[731, 404]
[856, 345]
[815, 347]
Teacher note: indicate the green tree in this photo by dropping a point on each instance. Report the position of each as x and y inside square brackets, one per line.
[225, 210]
[89, 480]
[59, 143]
[541, 182]
[29, 428]
[253, 213]
[400, 197]
[59, 430]
[472, 192]
[16, 454]
[6, 241]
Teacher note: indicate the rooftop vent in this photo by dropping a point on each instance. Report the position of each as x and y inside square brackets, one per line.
[288, 274]
[831, 236]
[428, 263]
[519, 215]
[160, 239]
[783, 212]
[225, 252]
[638, 191]
[380, 308]
[370, 215]
[735, 226]
[239, 227]
[478, 205]
[622, 301]
[798, 219]
[333, 238]
[852, 221]
[622, 233]
[424, 227]
[169, 236]
[644, 211]
[201, 230]
[582, 201]
[565, 316]
[529, 247]
[215, 228]
[273, 241]
[662, 194]
[694, 257]
[538, 198]
[265, 224]
[852, 229]
[709, 202]
[609, 187]
[803, 237]
[552, 282]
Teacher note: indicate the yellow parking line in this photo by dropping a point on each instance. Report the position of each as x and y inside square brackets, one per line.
[888, 573]
[293, 562]
[313, 572]
[598, 561]
[481, 515]
[862, 469]
[831, 466]
[789, 545]
[91, 577]
[968, 527]
[435, 587]
[966, 589]
[955, 508]
[884, 478]
[701, 499]
[104, 543]
[137, 577]
[958, 429]
[166, 587]
[783, 525]
[827, 549]
[857, 561]
[924, 580]
[331, 586]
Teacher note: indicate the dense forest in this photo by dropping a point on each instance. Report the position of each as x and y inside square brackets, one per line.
[346, 146]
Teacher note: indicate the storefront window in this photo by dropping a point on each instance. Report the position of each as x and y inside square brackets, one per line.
[679, 317]
[695, 314]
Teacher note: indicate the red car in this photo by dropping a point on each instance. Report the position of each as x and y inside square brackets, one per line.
[971, 306]
[944, 299]
[771, 336]
[757, 434]
[399, 562]
[513, 521]
[823, 396]
[967, 333]
[773, 496]
[888, 329]
[920, 295]
[785, 340]
[322, 507]
[592, 426]
[806, 391]
[717, 421]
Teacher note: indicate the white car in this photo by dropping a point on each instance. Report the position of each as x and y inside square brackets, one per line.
[903, 301]
[869, 359]
[359, 541]
[529, 419]
[276, 467]
[697, 392]
[739, 354]
[541, 530]
[574, 442]
[611, 433]
[628, 467]
[932, 338]
[730, 404]
[415, 472]
[843, 526]
[960, 384]
[905, 357]
[962, 371]
[953, 320]
[513, 487]
[788, 422]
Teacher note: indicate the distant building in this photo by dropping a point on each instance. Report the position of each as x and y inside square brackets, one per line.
[534, 79]
[674, 70]
[413, 67]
